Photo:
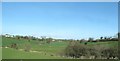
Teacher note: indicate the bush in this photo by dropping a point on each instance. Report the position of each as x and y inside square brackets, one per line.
[109, 52]
[93, 52]
[27, 48]
[76, 50]
[14, 45]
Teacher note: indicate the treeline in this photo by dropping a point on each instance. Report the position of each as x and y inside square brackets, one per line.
[28, 38]
[44, 38]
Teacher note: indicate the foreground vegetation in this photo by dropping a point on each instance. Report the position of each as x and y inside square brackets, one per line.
[104, 50]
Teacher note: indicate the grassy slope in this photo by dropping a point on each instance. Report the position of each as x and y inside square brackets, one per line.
[109, 43]
[0, 53]
[9, 53]
[52, 48]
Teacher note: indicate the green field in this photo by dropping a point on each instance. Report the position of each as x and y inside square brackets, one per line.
[49, 49]
[42, 50]
[9, 53]
[0, 53]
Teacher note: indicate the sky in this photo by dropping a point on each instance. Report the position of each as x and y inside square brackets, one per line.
[60, 0]
[63, 20]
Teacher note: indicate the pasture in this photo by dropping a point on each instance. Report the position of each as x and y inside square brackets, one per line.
[41, 49]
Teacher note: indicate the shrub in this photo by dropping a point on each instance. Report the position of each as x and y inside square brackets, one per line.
[110, 52]
[75, 50]
[14, 45]
[27, 48]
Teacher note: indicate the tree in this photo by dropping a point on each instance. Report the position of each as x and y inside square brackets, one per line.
[49, 40]
[43, 38]
[82, 40]
[85, 43]
[105, 38]
[101, 38]
[90, 39]
[17, 36]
